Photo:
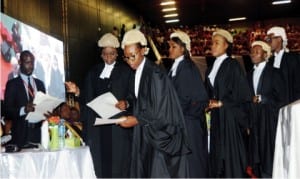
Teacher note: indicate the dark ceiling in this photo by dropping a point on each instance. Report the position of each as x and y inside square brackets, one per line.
[193, 12]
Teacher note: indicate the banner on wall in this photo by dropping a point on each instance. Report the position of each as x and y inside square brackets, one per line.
[48, 51]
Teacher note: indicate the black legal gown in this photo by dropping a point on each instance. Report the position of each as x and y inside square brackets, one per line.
[227, 157]
[110, 145]
[159, 140]
[193, 99]
[264, 119]
[289, 67]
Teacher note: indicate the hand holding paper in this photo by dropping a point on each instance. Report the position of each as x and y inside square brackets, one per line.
[130, 121]
[104, 105]
[43, 103]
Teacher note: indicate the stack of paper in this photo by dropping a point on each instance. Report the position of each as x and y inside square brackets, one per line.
[104, 106]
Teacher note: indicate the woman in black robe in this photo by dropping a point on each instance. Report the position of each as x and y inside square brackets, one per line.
[230, 98]
[110, 145]
[159, 139]
[193, 98]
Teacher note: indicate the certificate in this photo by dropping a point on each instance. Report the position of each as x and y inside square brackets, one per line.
[100, 121]
[104, 105]
[43, 104]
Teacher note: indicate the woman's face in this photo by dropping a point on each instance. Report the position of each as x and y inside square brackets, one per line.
[65, 111]
[219, 46]
[175, 50]
[133, 55]
[74, 115]
[109, 55]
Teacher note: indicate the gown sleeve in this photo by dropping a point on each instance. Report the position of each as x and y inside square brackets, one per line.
[160, 114]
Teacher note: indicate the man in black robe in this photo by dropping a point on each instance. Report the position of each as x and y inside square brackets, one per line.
[288, 63]
[110, 145]
[267, 88]
[159, 139]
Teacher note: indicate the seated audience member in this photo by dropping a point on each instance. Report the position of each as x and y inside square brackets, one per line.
[64, 112]
[75, 114]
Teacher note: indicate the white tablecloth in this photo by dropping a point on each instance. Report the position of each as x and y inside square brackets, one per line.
[287, 146]
[66, 163]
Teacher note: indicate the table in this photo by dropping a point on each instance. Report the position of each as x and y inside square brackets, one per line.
[287, 145]
[66, 163]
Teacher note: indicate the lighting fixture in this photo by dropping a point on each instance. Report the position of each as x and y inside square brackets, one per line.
[171, 15]
[237, 19]
[169, 9]
[281, 2]
[172, 21]
[167, 3]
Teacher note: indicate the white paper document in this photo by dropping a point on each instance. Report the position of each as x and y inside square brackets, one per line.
[104, 105]
[100, 121]
[43, 104]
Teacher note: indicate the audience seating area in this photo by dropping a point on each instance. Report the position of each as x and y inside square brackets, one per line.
[243, 37]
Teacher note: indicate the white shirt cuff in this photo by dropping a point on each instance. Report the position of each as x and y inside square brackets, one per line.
[22, 111]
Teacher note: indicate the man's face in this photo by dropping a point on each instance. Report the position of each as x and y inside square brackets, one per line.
[257, 54]
[275, 42]
[27, 65]
[109, 55]
[133, 55]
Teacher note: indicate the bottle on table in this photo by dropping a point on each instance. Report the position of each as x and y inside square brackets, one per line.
[61, 133]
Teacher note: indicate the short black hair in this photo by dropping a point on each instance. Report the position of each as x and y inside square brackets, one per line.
[26, 53]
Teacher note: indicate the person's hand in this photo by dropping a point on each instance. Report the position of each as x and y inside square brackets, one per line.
[122, 105]
[72, 88]
[256, 99]
[213, 104]
[30, 107]
[49, 114]
[130, 121]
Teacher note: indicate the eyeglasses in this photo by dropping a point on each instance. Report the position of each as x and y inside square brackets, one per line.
[269, 38]
[130, 58]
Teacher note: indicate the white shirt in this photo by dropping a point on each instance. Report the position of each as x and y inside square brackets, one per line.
[25, 82]
[257, 73]
[212, 75]
[175, 65]
[278, 58]
[138, 75]
[107, 70]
